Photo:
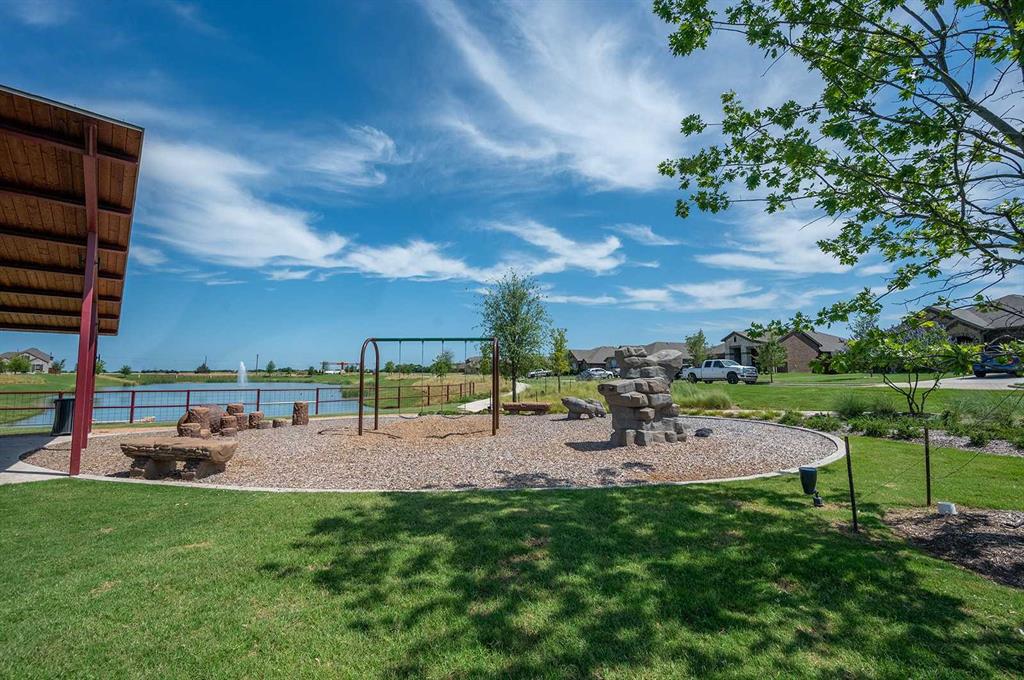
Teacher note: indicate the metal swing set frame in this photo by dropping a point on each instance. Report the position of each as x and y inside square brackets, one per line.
[495, 357]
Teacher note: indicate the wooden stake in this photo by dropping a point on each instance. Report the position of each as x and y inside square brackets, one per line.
[927, 467]
[849, 476]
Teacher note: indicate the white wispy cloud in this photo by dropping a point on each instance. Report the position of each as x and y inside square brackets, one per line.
[147, 255]
[568, 88]
[785, 242]
[289, 274]
[39, 12]
[207, 202]
[641, 233]
[561, 252]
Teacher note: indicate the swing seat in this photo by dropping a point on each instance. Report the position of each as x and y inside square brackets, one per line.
[534, 407]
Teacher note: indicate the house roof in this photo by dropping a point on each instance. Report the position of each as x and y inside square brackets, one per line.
[31, 351]
[60, 169]
[826, 342]
[742, 335]
[1004, 312]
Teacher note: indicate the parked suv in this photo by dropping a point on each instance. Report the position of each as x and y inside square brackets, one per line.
[595, 374]
[994, 360]
[722, 369]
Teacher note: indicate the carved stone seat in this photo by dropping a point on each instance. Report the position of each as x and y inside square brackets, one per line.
[538, 408]
[155, 457]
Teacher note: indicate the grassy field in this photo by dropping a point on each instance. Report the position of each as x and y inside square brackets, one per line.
[739, 580]
[781, 396]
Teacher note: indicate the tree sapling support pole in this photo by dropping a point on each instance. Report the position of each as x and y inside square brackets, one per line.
[927, 468]
[849, 476]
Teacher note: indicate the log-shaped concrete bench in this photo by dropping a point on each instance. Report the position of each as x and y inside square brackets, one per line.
[535, 407]
[155, 457]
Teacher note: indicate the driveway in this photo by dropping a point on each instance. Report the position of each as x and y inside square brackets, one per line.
[989, 382]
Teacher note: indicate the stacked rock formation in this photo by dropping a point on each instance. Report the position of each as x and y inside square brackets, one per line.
[641, 402]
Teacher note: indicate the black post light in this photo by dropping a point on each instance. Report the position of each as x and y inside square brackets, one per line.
[809, 480]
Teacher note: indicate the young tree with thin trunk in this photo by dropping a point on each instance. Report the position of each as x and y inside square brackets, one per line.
[559, 354]
[697, 346]
[512, 310]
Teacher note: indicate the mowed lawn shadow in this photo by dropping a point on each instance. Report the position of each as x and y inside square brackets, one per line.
[698, 580]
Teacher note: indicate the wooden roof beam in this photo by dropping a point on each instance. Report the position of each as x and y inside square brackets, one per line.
[39, 311]
[53, 269]
[44, 328]
[62, 199]
[72, 241]
[37, 136]
[56, 294]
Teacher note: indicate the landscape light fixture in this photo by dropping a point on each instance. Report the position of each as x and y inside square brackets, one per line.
[809, 480]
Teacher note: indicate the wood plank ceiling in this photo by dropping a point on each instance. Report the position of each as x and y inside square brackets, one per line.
[42, 213]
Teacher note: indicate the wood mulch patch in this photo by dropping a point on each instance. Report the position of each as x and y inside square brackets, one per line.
[989, 542]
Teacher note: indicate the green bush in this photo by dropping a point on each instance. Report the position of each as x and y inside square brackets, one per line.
[792, 418]
[907, 428]
[871, 426]
[698, 396]
[824, 423]
[979, 437]
[850, 405]
[882, 405]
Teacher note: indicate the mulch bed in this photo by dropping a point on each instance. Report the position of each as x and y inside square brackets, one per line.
[989, 542]
[433, 452]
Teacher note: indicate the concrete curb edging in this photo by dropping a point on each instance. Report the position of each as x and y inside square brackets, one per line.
[831, 458]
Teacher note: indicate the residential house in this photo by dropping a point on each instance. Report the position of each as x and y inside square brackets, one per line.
[1000, 319]
[803, 347]
[739, 347]
[604, 356]
[38, 360]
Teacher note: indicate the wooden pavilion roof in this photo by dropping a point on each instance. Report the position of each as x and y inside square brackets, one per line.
[43, 199]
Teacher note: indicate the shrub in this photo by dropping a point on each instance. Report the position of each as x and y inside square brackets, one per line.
[850, 405]
[907, 428]
[767, 415]
[695, 396]
[792, 418]
[824, 422]
[979, 437]
[882, 405]
[871, 426]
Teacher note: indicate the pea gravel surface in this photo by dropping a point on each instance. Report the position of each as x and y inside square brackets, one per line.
[434, 452]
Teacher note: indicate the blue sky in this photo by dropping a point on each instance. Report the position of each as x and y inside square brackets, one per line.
[321, 173]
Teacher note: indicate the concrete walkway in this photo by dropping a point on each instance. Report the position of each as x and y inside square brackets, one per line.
[14, 471]
[481, 405]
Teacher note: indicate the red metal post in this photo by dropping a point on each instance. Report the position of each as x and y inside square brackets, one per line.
[399, 404]
[258, 398]
[87, 324]
[131, 409]
[316, 408]
[428, 394]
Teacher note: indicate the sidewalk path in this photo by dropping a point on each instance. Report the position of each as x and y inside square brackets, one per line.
[481, 405]
[14, 471]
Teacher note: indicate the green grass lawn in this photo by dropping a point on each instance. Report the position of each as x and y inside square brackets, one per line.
[737, 580]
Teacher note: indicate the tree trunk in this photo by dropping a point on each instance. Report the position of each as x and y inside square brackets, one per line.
[515, 387]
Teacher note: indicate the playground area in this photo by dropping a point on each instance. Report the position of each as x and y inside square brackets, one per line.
[436, 452]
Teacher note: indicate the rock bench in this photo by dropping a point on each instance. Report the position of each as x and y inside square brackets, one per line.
[155, 457]
[538, 408]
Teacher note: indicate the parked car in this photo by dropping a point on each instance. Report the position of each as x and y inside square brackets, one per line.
[994, 360]
[595, 374]
[722, 369]
[539, 373]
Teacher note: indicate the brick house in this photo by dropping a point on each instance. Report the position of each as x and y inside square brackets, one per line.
[737, 346]
[1003, 318]
[803, 347]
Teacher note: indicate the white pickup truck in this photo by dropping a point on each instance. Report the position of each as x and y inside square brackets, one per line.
[721, 369]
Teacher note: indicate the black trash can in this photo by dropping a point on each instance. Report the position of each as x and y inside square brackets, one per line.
[63, 415]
